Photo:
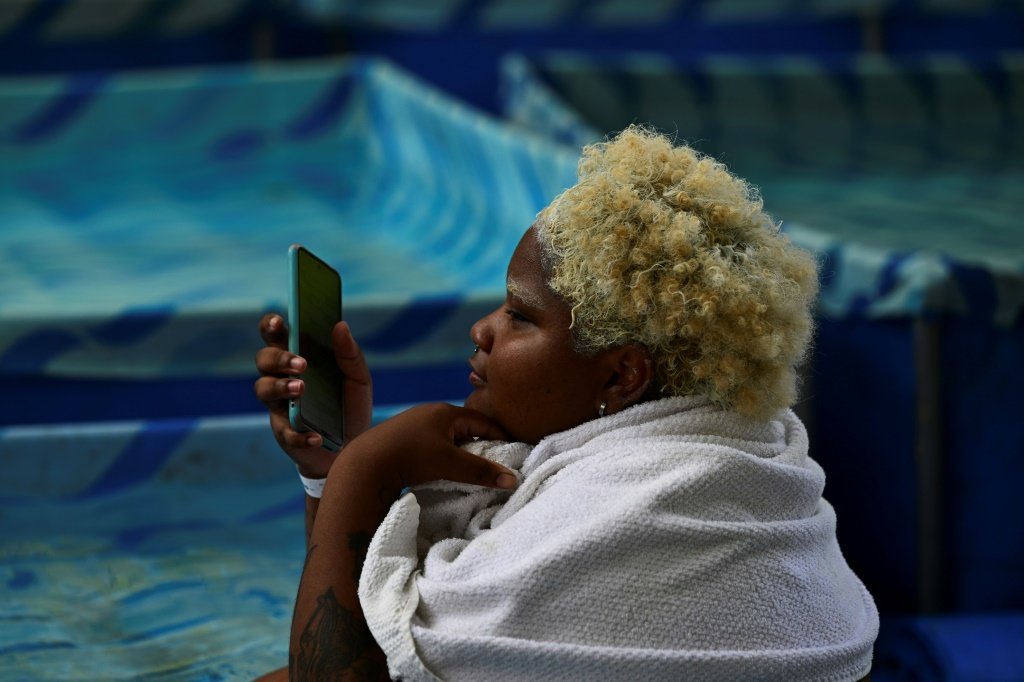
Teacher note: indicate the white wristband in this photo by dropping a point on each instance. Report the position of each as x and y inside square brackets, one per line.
[314, 486]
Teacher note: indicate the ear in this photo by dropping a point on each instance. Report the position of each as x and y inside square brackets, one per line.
[631, 373]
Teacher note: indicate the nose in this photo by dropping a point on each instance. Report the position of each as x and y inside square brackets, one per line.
[482, 332]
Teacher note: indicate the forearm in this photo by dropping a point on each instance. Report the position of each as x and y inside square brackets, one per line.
[312, 505]
[329, 636]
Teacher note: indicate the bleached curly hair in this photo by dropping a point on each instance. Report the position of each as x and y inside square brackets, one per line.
[660, 246]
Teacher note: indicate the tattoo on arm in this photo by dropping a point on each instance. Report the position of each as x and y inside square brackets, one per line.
[333, 642]
[336, 643]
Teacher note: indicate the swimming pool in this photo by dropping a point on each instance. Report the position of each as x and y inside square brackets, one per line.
[148, 531]
[178, 563]
[149, 526]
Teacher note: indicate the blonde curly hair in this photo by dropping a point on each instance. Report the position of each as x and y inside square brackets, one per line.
[661, 246]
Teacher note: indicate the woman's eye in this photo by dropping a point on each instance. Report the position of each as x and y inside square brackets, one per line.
[515, 315]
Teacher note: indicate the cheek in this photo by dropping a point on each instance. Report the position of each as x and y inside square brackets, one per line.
[517, 375]
[534, 381]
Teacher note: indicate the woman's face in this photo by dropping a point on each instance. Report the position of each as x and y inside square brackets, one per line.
[526, 375]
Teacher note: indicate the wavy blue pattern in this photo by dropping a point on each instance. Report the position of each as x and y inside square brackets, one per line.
[142, 458]
[132, 326]
[22, 579]
[25, 647]
[171, 628]
[886, 281]
[411, 325]
[123, 271]
[900, 173]
[284, 509]
[62, 111]
[977, 286]
[32, 352]
[196, 105]
[240, 145]
[160, 590]
[324, 113]
[178, 576]
[528, 174]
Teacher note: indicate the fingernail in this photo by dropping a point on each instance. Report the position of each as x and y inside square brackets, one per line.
[505, 481]
[313, 440]
[297, 363]
[294, 386]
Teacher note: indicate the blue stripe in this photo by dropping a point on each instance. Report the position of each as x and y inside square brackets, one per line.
[162, 588]
[486, 177]
[38, 18]
[22, 578]
[528, 173]
[383, 128]
[439, 245]
[155, 443]
[327, 185]
[324, 113]
[196, 105]
[268, 599]
[239, 145]
[133, 537]
[60, 112]
[978, 288]
[290, 507]
[168, 629]
[26, 647]
[412, 325]
[886, 280]
[132, 326]
[889, 276]
[33, 352]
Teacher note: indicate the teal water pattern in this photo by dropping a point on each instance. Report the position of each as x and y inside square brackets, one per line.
[903, 175]
[162, 551]
[147, 217]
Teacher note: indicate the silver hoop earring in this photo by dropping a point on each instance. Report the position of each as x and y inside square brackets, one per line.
[600, 410]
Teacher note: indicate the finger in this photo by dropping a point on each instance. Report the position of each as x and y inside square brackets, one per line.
[275, 361]
[349, 356]
[465, 467]
[290, 439]
[358, 384]
[275, 392]
[469, 424]
[274, 331]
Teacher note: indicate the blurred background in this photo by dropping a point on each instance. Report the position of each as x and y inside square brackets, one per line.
[158, 157]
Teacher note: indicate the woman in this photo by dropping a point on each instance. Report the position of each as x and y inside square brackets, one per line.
[642, 505]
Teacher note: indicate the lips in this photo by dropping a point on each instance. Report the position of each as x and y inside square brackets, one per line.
[476, 375]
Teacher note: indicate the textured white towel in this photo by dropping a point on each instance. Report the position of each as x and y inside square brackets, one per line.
[669, 541]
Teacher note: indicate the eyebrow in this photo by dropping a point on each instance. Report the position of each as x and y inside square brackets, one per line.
[522, 294]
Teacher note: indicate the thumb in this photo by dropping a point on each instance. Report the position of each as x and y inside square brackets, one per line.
[465, 467]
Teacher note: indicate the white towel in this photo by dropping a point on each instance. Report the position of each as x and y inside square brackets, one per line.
[670, 541]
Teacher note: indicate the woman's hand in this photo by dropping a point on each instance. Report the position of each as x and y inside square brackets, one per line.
[279, 383]
[422, 444]
[418, 445]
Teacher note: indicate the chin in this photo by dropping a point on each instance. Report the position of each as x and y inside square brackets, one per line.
[481, 405]
[474, 402]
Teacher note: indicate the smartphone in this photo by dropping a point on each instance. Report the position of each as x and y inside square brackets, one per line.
[314, 308]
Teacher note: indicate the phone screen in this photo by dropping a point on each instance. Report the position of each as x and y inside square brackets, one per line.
[318, 300]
